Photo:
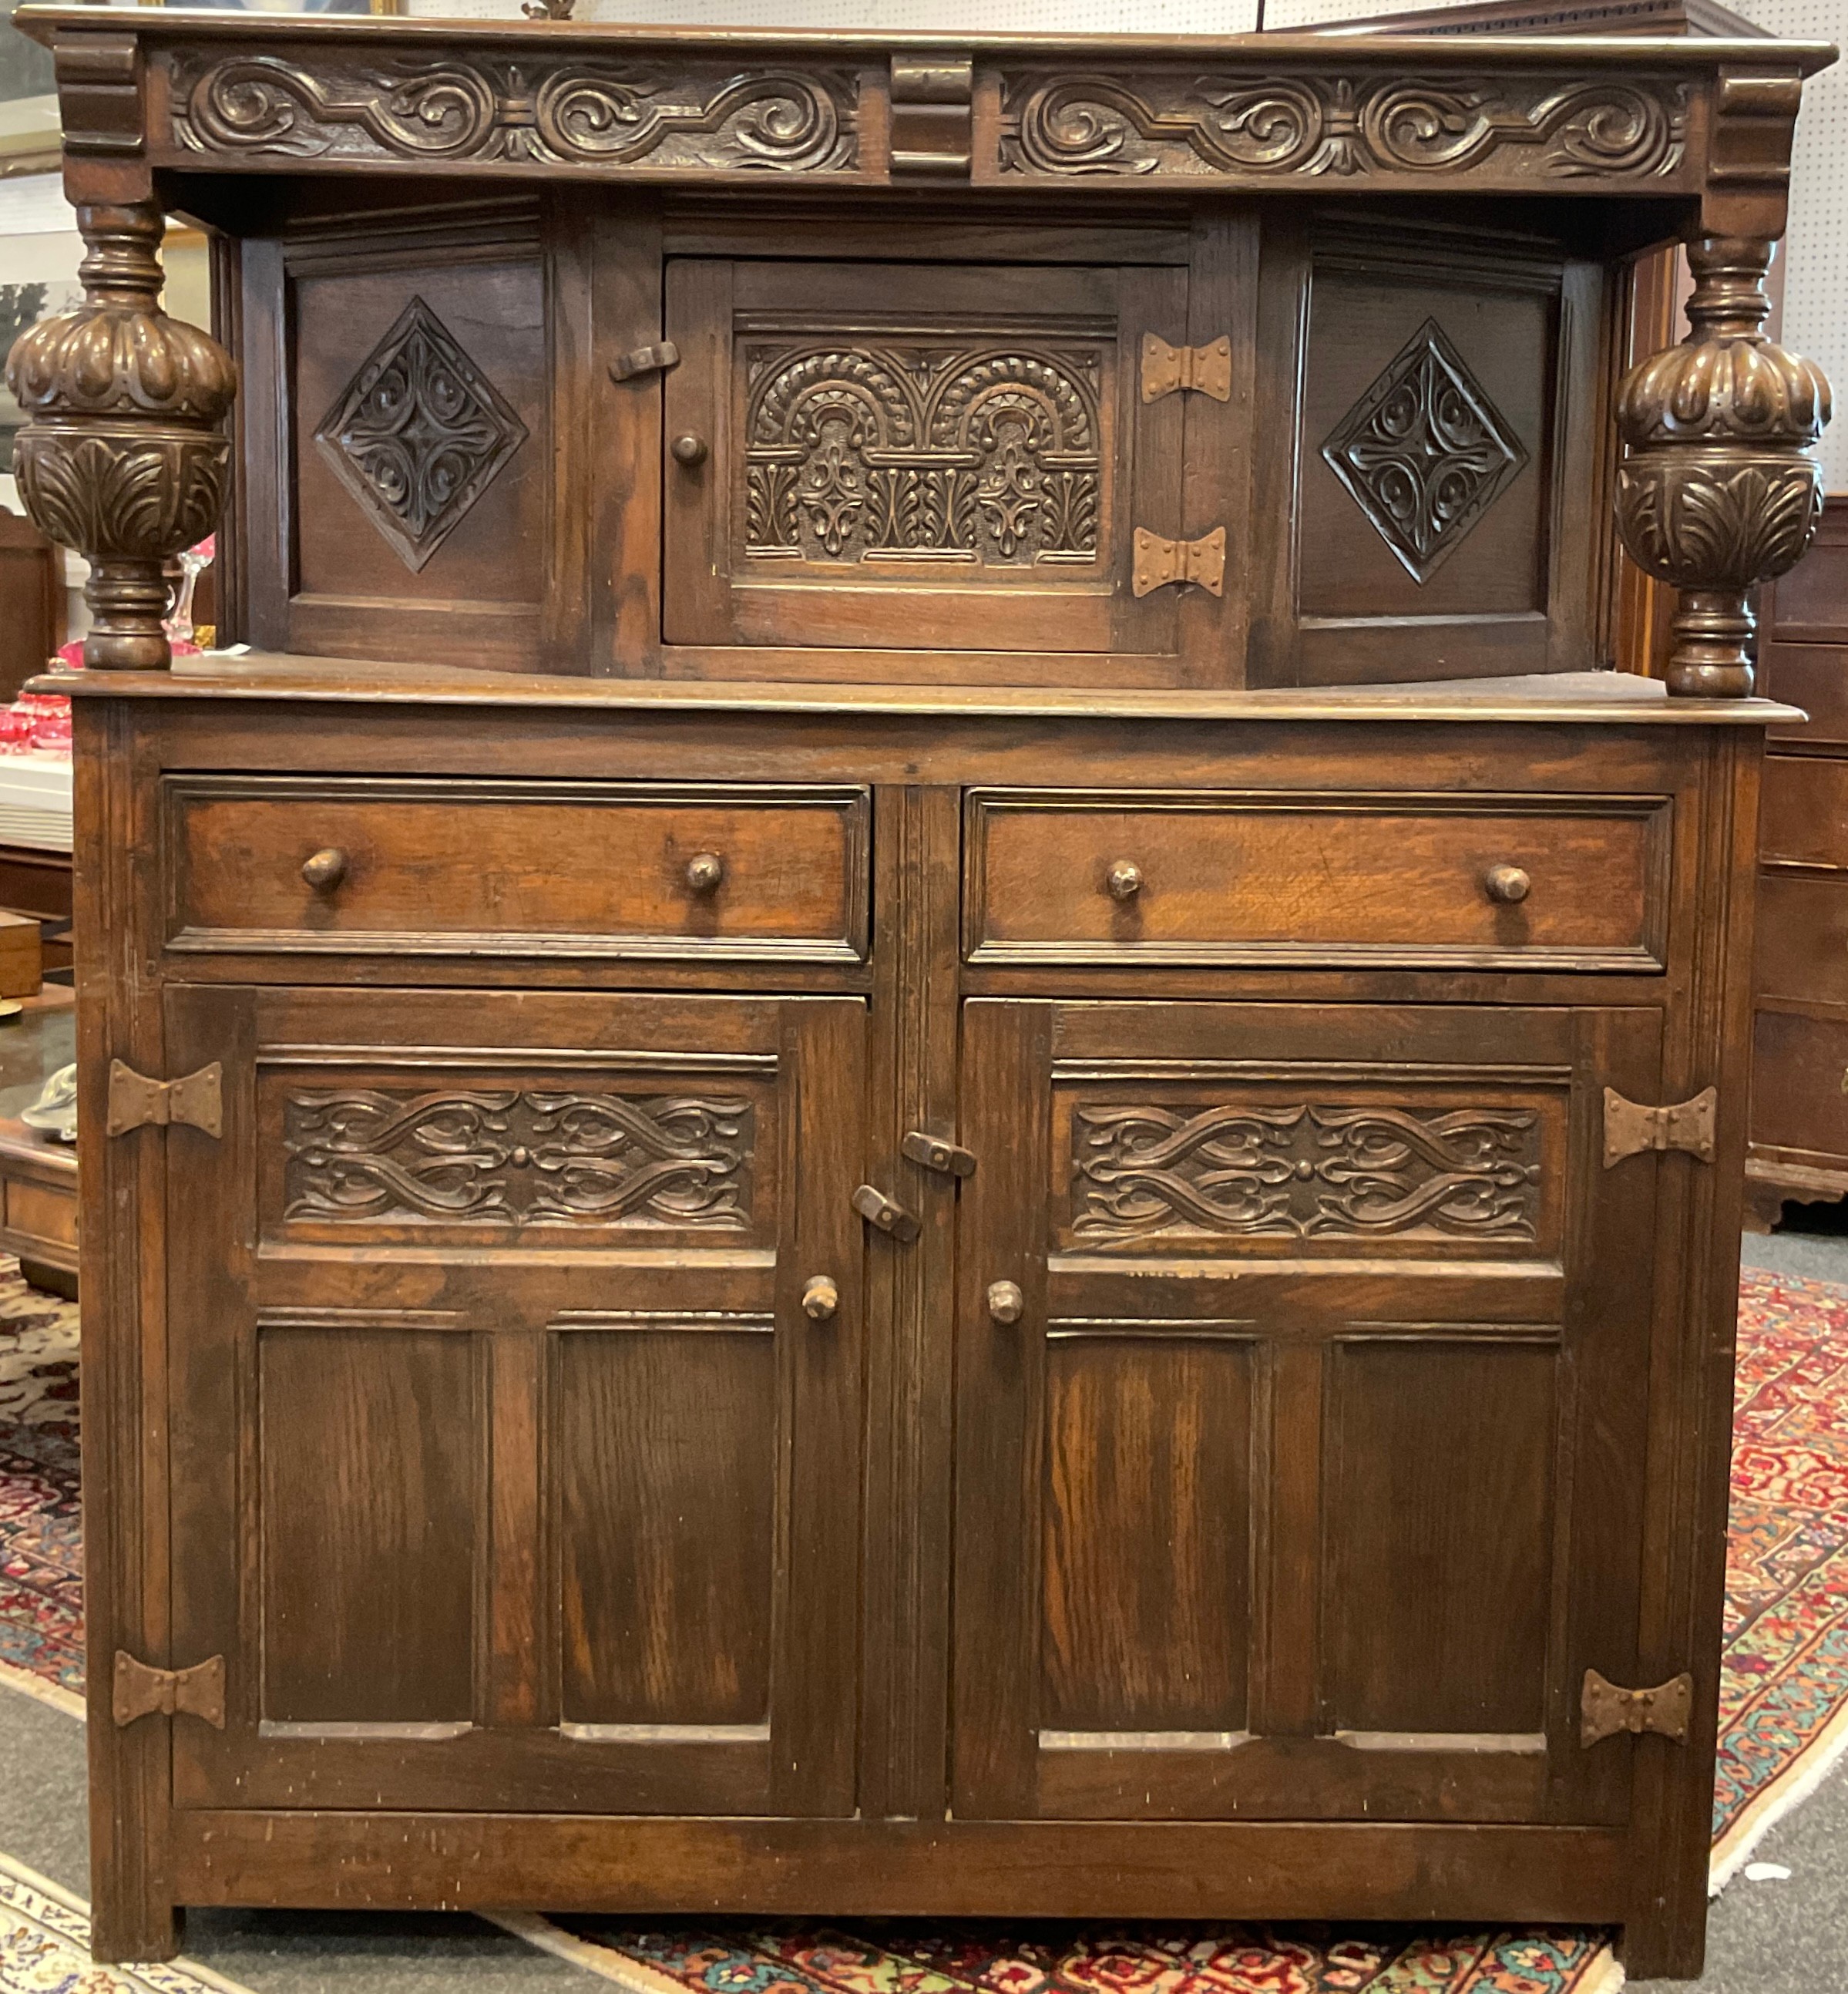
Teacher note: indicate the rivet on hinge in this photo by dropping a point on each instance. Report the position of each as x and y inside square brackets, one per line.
[645, 359]
[1604, 1710]
[1160, 563]
[938, 1152]
[1174, 370]
[1630, 1128]
[141, 1691]
[135, 1101]
[877, 1209]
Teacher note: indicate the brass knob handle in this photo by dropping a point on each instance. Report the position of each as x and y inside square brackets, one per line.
[1507, 884]
[324, 870]
[704, 871]
[1006, 1303]
[820, 1298]
[1124, 880]
[688, 449]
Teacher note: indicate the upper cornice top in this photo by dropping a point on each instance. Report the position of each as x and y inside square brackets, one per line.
[1693, 117]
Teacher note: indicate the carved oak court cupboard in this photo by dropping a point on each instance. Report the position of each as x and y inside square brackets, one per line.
[975, 1145]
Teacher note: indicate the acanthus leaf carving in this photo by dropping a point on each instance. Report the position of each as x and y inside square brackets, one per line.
[554, 109]
[923, 450]
[1302, 1171]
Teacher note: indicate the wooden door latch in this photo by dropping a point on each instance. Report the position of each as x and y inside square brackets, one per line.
[1630, 1128]
[938, 1152]
[1604, 1710]
[1158, 562]
[640, 360]
[1175, 370]
[890, 1217]
[197, 1099]
[141, 1691]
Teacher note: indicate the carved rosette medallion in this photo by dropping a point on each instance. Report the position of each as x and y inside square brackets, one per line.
[924, 453]
[418, 434]
[555, 110]
[1424, 453]
[1303, 1172]
[513, 1157]
[1720, 489]
[122, 456]
[1259, 127]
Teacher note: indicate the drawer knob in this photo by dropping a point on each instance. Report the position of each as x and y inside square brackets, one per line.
[704, 871]
[820, 1298]
[1006, 1303]
[1507, 884]
[1124, 880]
[324, 870]
[688, 449]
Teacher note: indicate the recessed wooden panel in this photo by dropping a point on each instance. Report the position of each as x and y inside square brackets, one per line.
[429, 418]
[1812, 677]
[1802, 936]
[578, 868]
[1436, 398]
[1800, 1085]
[1439, 1527]
[378, 1152]
[665, 1502]
[912, 456]
[367, 1443]
[1803, 813]
[1314, 1167]
[1146, 1538]
[1361, 880]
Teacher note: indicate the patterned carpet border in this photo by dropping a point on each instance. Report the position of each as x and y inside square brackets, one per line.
[45, 1948]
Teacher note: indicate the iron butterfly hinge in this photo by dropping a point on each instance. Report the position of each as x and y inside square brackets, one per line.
[141, 1691]
[1158, 563]
[195, 1099]
[1604, 1710]
[1177, 370]
[1630, 1128]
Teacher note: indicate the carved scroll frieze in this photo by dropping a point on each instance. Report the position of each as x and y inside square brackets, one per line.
[1720, 489]
[924, 452]
[1303, 1171]
[1424, 453]
[556, 109]
[418, 434]
[1555, 130]
[122, 456]
[509, 1157]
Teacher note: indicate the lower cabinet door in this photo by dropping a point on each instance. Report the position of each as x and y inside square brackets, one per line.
[515, 1350]
[1301, 1410]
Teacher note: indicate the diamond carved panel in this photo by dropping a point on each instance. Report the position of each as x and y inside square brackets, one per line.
[418, 434]
[1424, 453]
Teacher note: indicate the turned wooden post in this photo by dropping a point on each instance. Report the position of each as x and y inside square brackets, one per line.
[1720, 489]
[122, 456]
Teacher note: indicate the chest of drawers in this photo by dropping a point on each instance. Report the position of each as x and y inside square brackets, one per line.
[975, 1147]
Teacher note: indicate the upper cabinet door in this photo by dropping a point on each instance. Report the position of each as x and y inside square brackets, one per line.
[1303, 1410]
[515, 1350]
[909, 457]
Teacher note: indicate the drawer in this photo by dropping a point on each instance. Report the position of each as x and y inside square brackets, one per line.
[1803, 938]
[1800, 1085]
[1803, 818]
[436, 866]
[1123, 878]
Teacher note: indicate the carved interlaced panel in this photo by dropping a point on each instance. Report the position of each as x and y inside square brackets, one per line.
[1424, 453]
[1304, 1171]
[920, 451]
[418, 434]
[514, 1157]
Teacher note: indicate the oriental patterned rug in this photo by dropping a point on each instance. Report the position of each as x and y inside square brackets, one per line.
[45, 1948]
[1784, 1717]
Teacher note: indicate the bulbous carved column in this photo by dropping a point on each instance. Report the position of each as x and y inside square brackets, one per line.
[1720, 490]
[122, 457]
